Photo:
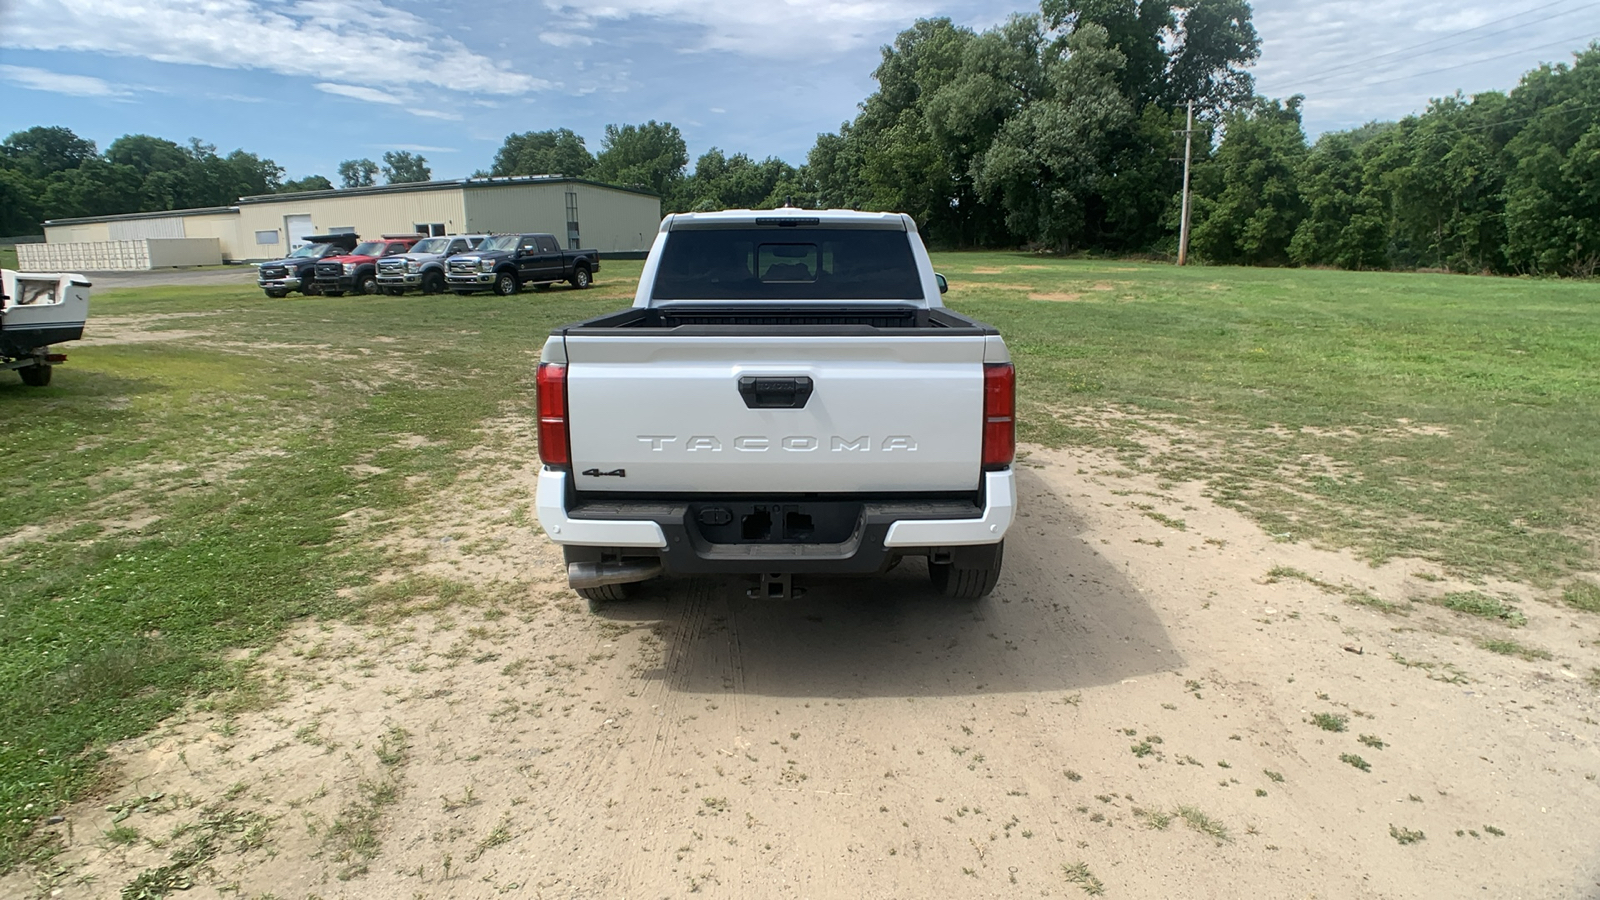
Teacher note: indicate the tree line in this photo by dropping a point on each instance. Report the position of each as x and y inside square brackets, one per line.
[1056, 130]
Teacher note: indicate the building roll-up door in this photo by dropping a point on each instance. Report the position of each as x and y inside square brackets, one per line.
[297, 228]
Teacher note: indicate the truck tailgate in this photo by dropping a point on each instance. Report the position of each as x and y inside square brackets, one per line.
[694, 414]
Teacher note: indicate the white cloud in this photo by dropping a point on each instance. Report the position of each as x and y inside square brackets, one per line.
[565, 39]
[357, 92]
[361, 42]
[786, 28]
[59, 83]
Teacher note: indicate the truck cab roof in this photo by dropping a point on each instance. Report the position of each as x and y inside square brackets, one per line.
[789, 217]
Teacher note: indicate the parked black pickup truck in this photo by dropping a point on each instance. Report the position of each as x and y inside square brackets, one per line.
[298, 271]
[507, 262]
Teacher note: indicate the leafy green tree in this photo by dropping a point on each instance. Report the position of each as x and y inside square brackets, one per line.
[558, 151]
[1174, 51]
[734, 182]
[1552, 209]
[1247, 204]
[42, 151]
[19, 203]
[405, 167]
[308, 183]
[652, 155]
[1345, 223]
[354, 173]
[148, 154]
[93, 188]
[1051, 157]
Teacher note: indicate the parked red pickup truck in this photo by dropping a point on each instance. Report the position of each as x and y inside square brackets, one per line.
[358, 270]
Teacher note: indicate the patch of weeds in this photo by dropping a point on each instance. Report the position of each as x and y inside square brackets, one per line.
[500, 835]
[1582, 595]
[1356, 761]
[1199, 821]
[121, 835]
[1073, 776]
[353, 838]
[204, 841]
[1079, 874]
[1279, 573]
[1166, 520]
[1331, 721]
[1373, 741]
[1261, 792]
[1142, 749]
[1362, 598]
[1157, 819]
[1512, 648]
[1405, 835]
[1273, 776]
[1494, 831]
[1477, 603]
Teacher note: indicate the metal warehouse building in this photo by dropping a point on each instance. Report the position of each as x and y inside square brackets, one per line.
[579, 213]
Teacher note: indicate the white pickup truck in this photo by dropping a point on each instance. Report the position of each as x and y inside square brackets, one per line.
[787, 396]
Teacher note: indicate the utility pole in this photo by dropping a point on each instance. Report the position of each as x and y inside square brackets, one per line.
[1188, 155]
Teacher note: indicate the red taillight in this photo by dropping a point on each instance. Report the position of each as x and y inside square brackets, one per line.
[999, 415]
[552, 396]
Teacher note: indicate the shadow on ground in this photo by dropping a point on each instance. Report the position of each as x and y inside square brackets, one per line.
[1062, 618]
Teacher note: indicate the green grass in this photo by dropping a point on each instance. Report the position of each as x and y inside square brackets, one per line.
[1451, 418]
[1512, 648]
[1477, 603]
[227, 467]
[1582, 595]
[1330, 721]
[8, 257]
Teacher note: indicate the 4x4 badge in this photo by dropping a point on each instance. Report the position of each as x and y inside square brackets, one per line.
[596, 473]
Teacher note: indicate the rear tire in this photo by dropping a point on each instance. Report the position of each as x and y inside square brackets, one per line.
[433, 283]
[967, 582]
[505, 284]
[36, 376]
[580, 278]
[606, 593]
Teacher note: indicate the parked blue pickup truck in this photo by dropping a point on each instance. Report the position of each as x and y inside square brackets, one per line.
[506, 263]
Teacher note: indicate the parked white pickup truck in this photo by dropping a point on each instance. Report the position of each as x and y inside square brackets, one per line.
[787, 396]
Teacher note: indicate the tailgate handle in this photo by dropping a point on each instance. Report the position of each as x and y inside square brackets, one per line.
[760, 392]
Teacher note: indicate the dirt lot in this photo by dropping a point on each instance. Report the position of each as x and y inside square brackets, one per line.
[1140, 708]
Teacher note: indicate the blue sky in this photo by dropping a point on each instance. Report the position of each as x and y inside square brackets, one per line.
[311, 82]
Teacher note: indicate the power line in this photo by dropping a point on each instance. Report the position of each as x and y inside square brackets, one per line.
[1355, 64]
[1562, 43]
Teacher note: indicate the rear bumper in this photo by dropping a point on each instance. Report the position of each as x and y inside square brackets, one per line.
[884, 531]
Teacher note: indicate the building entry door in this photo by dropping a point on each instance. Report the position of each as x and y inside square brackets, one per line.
[297, 229]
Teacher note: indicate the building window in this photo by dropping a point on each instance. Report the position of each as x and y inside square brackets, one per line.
[343, 229]
[434, 230]
[267, 237]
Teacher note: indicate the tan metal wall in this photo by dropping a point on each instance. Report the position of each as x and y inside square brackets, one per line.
[91, 231]
[609, 220]
[613, 221]
[223, 227]
[370, 215]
